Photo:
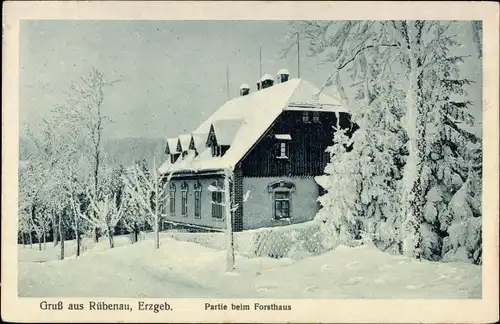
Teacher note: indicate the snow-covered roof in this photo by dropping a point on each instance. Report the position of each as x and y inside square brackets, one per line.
[244, 86]
[285, 137]
[266, 77]
[226, 129]
[199, 141]
[184, 140]
[256, 112]
[283, 71]
[172, 145]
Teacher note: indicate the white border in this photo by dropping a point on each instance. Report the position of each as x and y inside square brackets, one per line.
[191, 310]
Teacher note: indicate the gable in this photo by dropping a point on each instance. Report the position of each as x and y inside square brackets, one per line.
[211, 138]
[306, 145]
[191, 144]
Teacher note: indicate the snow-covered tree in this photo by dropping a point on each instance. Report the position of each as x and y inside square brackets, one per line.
[146, 188]
[420, 78]
[107, 212]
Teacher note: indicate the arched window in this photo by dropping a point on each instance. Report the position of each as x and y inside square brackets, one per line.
[184, 206]
[172, 199]
[282, 198]
[197, 200]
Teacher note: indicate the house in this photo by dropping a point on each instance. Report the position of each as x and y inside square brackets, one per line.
[272, 140]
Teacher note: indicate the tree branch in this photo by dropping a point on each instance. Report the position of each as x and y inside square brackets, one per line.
[470, 136]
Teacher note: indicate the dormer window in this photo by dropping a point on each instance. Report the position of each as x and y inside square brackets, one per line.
[305, 117]
[174, 157]
[216, 150]
[316, 117]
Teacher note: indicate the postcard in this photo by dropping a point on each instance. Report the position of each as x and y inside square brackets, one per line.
[250, 162]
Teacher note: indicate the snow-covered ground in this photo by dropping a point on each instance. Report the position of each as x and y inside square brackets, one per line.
[185, 269]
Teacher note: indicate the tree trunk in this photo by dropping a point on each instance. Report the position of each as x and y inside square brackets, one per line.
[414, 201]
[96, 169]
[45, 240]
[110, 237]
[61, 236]
[39, 239]
[135, 233]
[77, 236]
[55, 235]
[229, 226]
[157, 210]
[31, 239]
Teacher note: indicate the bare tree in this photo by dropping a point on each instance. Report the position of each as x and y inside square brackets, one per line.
[83, 110]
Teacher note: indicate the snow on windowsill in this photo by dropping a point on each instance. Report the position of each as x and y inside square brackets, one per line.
[282, 157]
[283, 137]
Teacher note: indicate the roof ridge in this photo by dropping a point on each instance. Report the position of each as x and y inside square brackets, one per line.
[294, 90]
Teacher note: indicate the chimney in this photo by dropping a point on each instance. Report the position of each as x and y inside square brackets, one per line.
[244, 89]
[282, 75]
[266, 81]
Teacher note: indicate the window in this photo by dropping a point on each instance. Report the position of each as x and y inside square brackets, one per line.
[281, 205]
[316, 117]
[172, 199]
[281, 195]
[215, 150]
[282, 150]
[184, 207]
[197, 200]
[217, 201]
[305, 116]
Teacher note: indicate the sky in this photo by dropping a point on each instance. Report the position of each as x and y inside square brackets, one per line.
[172, 73]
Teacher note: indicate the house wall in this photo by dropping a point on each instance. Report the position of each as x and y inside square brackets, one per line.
[306, 149]
[206, 219]
[258, 209]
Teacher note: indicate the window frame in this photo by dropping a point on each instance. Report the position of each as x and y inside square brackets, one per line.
[172, 189]
[316, 117]
[306, 118]
[197, 200]
[281, 187]
[282, 150]
[280, 201]
[216, 201]
[184, 199]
